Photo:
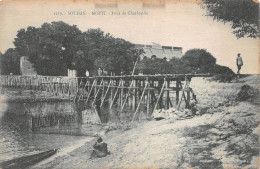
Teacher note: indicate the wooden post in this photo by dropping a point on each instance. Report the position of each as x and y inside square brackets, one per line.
[182, 95]
[177, 91]
[188, 92]
[130, 88]
[152, 92]
[115, 94]
[89, 93]
[160, 84]
[148, 100]
[134, 96]
[111, 92]
[83, 91]
[95, 87]
[140, 100]
[167, 102]
[30, 124]
[159, 96]
[122, 95]
[100, 86]
[103, 90]
[184, 88]
[103, 99]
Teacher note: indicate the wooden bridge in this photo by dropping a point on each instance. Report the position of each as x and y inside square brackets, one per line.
[132, 91]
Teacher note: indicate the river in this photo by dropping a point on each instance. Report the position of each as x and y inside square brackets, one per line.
[39, 126]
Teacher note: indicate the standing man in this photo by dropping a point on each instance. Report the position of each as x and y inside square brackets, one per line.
[239, 63]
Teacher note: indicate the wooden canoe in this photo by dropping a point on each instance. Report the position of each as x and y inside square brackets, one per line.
[26, 161]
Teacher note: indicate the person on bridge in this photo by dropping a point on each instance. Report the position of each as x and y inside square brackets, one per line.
[99, 72]
[87, 73]
[239, 63]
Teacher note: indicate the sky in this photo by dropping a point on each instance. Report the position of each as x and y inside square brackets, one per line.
[176, 23]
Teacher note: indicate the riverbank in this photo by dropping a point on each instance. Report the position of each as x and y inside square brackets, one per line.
[224, 135]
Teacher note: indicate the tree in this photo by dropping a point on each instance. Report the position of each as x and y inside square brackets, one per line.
[179, 66]
[223, 70]
[199, 60]
[10, 62]
[55, 47]
[50, 48]
[154, 65]
[242, 14]
[120, 55]
[103, 51]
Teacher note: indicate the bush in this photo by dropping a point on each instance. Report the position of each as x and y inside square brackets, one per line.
[223, 70]
[246, 92]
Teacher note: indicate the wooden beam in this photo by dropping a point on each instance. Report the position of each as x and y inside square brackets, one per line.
[134, 96]
[127, 95]
[148, 100]
[167, 96]
[115, 95]
[183, 95]
[140, 100]
[91, 90]
[188, 92]
[177, 91]
[159, 96]
[97, 92]
[106, 93]
[84, 88]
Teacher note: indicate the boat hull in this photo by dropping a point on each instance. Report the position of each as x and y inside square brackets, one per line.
[24, 162]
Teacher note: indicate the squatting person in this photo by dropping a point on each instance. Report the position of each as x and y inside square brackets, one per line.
[100, 149]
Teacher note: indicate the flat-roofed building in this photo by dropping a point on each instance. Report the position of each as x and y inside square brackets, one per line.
[159, 51]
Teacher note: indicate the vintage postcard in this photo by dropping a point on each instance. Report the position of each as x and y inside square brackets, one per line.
[129, 84]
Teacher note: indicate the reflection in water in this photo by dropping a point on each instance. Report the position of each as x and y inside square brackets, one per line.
[18, 137]
[34, 127]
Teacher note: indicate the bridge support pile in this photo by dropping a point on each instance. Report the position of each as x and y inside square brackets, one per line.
[138, 91]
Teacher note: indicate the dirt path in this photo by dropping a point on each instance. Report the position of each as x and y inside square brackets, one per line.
[154, 144]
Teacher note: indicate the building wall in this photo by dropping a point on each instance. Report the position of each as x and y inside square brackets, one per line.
[26, 68]
[160, 51]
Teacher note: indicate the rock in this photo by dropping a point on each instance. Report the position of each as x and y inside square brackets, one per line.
[177, 112]
[163, 114]
[220, 104]
[158, 114]
[172, 109]
[256, 131]
[207, 139]
[242, 156]
[175, 117]
[90, 116]
[210, 111]
[188, 112]
[197, 113]
[215, 131]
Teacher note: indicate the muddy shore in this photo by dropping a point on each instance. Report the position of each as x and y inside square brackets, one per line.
[224, 135]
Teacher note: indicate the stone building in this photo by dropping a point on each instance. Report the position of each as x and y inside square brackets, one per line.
[159, 51]
[26, 67]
